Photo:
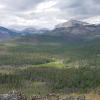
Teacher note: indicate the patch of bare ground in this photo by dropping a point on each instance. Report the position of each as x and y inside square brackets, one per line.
[16, 95]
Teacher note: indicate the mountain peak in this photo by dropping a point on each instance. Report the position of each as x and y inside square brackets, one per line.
[71, 23]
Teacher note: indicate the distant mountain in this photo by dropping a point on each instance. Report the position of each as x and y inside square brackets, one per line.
[6, 33]
[71, 30]
[32, 31]
[68, 32]
[71, 23]
[75, 30]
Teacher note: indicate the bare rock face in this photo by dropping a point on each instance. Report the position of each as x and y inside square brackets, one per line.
[14, 95]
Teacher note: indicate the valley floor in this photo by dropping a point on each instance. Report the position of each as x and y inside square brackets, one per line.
[44, 68]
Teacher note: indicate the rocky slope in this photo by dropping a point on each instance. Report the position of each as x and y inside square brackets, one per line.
[75, 27]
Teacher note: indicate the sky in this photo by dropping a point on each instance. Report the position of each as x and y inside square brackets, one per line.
[47, 13]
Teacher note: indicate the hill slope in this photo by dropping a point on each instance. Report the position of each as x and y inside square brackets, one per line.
[74, 30]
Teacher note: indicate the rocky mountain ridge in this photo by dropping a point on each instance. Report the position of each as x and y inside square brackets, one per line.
[78, 28]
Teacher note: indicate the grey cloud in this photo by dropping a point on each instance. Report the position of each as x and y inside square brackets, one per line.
[67, 9]
[20, 5]
[97, 1]
[79, 7]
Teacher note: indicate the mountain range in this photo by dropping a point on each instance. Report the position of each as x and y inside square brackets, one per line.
[70, 30]
[74, 30]
[74, 27]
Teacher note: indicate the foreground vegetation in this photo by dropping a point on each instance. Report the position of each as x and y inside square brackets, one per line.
[49, 66]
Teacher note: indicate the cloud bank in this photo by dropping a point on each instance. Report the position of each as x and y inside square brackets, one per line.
[47, 13]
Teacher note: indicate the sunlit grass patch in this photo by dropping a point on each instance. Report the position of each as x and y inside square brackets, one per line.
[55, 64]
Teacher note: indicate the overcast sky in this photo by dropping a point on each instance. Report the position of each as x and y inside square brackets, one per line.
[47, 13]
